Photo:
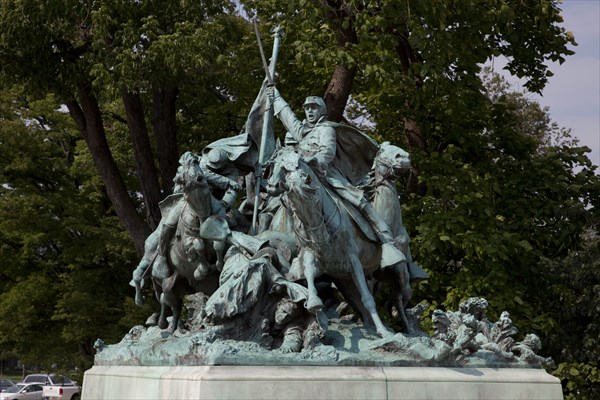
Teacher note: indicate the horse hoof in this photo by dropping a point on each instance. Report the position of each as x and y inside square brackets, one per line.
[163, 324]
[152, 320]
[139, 300]
[137, 275]
[313, 305]
[165, 334]
[200, 274]
[384, 333]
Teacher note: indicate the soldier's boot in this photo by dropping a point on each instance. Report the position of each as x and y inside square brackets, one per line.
[161, 268]
[390, 254]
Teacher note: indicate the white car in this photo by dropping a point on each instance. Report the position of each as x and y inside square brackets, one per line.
[23, 391]
[6, 383]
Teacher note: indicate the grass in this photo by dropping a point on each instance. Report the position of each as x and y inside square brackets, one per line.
[14, 374]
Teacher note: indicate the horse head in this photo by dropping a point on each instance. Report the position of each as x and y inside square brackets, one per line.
[301, 185]
[291, 175]
[191, 181]
[391, 161]
[283, 161]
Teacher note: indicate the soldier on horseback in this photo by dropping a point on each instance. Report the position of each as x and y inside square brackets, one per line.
[318, 145]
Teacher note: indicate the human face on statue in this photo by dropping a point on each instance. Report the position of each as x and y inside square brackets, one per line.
[313, 112]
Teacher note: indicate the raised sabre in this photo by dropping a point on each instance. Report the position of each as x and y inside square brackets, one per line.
[270, 72]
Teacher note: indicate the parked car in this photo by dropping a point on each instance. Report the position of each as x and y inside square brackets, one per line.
[35, 378]
[68, 391]
[61, 392]
[5, 384]
[55, 386]
[49, 379]
[23, 391]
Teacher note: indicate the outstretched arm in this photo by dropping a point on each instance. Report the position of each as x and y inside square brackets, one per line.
[284, 112]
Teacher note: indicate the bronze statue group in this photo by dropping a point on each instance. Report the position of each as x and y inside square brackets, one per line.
[324, 224]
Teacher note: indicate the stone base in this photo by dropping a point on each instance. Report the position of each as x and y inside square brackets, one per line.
[316, 382]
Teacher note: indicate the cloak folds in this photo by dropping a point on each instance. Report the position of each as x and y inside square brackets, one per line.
[243, 149]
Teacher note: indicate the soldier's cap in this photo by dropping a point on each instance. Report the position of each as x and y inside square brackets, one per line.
[216, 158]
[316, 100]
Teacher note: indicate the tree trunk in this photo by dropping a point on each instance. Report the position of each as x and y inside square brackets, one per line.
[164, 113]
[338, 91]
[340, 86]
[415, 139]
[144, 159]
[89, 122]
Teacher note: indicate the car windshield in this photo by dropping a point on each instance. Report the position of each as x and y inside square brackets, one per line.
[60, 380]
[35, 378]
[15, 389]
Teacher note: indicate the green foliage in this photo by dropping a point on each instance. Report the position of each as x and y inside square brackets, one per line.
[43, 43]
[425, 54]
[575, 293]
[138, 44]
[56, 219]
[580, 380]
[506, 193]
[199, 47]
[64, 258]
[512, 218]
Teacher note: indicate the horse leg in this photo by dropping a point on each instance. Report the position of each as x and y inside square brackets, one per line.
[309, 264]
[139, 298]
[138, 279]
[162, 268]
[150, 248]
[352, 296]
[203, 268]
[166, 300]
[162, 318]
[153, 319]
[157, 285]
[366, 296]
[175, 303]
[219, 247]
[403, 293]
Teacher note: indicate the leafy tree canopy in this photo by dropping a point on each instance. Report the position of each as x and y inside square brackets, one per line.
[498, 200]
[63, 254]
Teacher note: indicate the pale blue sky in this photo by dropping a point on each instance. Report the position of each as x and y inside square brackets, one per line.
[573, 93]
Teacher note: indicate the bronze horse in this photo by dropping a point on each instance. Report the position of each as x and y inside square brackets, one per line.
[193, 260]
[334, 242]
[327, 238]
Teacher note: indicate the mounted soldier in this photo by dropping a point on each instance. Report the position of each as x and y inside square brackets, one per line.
[339, 155]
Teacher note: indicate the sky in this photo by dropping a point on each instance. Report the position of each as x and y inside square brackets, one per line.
[573, 93]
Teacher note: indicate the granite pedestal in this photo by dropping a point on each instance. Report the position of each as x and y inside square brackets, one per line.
[316, 382]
